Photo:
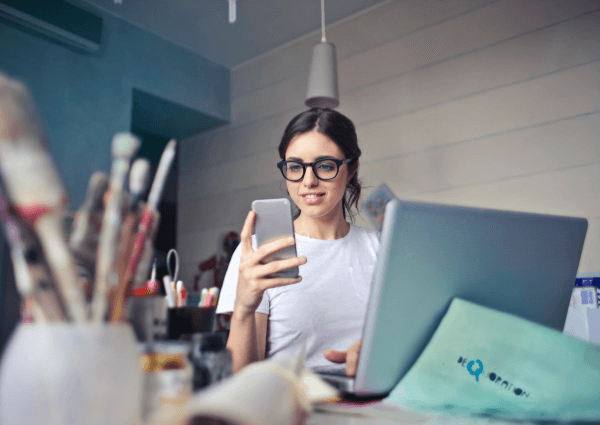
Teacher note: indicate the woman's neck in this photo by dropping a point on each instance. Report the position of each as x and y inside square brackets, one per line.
[326, 228]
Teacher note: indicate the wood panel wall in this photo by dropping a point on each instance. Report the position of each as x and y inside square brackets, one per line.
[471, 102]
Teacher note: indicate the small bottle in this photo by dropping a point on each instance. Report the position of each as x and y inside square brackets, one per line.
[212, 360]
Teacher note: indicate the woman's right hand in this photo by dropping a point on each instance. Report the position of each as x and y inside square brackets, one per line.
[253, 280]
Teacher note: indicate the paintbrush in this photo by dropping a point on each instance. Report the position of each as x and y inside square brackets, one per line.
[87, 223]
[124, 147]
[150, 210]
[139, 177]
[88, 219]
[35, 188]
[31, 277]
[148, 252]
[138, 183]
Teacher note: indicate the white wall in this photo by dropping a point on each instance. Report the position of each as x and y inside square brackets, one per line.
[472, 102]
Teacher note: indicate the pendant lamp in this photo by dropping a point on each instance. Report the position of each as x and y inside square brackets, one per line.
[322, 87]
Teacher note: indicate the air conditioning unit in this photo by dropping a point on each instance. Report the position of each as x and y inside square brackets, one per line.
[58, 20]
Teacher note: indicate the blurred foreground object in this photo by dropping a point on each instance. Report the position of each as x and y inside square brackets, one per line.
[36, 190]
[278, 391]
[70, 374]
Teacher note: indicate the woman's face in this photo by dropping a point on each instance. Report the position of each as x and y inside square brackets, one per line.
[317, 198]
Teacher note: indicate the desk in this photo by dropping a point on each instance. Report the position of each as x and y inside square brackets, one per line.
[396, 416]
[322, 418]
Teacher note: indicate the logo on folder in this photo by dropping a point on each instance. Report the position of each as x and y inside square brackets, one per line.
[475, 368]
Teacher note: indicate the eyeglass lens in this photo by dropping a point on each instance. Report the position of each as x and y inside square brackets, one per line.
[324, 169]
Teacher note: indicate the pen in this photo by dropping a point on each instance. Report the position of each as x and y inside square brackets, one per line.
[169, 297]
[209, 297]
[179, 293]
[215, 297]
[203, 294]
[183, 295]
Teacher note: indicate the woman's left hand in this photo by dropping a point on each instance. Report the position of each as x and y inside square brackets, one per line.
[350, 357]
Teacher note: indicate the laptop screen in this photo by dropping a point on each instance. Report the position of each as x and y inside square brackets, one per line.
[519, 263]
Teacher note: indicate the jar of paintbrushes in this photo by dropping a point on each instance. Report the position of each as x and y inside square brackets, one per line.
[79, 361]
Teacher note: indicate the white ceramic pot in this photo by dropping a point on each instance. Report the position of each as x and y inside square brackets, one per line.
[67, 374]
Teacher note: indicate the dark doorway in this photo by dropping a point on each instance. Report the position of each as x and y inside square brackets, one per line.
[151, 148]
[155, 121]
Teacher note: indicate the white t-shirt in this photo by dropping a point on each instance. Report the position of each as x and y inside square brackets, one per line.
[327, 308]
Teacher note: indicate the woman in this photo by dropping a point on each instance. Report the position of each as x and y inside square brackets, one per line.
[326, 305]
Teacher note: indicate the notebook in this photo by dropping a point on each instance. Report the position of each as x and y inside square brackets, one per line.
[519, 263]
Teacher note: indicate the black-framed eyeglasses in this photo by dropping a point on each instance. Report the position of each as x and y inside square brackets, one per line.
[324, 169]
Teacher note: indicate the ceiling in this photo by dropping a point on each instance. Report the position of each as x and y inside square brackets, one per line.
[202, 26]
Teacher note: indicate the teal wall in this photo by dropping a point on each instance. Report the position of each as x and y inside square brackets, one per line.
[85, 98]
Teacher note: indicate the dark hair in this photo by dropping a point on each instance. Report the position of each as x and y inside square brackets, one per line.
[341, 131]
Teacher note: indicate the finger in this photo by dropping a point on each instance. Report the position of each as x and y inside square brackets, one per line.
[280, 265]
[279, 281]
[255, 271]
[335, 356]
[351, 362]
[274, 246]
[246, 233]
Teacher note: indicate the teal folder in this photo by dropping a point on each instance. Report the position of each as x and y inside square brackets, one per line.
[483, 362]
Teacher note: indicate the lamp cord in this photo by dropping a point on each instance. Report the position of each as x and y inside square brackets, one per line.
[323, 21]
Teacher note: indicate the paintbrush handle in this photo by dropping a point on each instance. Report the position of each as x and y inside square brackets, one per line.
[57, 253]
[162, 172]
[126, 282]
[140, 240]
[27, 276]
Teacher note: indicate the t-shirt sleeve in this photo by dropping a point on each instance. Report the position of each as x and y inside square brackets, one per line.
[229, 288]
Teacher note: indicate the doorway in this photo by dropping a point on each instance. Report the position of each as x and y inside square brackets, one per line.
[155, 121]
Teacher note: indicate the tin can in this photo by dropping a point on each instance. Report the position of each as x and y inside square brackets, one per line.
[167, 376]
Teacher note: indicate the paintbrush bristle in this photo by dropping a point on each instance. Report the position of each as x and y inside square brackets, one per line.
[161, 175]
[18, 114]
[138, 175]
[97, 186]
[124, 145]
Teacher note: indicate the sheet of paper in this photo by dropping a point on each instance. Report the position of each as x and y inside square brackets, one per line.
[483, 362]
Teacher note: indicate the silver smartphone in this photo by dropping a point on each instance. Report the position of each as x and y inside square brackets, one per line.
[274, 221]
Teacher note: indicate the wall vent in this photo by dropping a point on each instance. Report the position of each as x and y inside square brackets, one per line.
[55, 19]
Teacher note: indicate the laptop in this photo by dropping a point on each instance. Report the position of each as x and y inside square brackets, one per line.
[519, 263]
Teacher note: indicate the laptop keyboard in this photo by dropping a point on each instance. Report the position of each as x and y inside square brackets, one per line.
[327, 370]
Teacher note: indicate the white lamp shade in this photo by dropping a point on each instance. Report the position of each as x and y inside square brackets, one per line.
[322, 88]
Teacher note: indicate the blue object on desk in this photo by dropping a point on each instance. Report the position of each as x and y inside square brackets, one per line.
[589, 279]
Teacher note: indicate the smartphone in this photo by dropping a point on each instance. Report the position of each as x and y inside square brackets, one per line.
[274, 221]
